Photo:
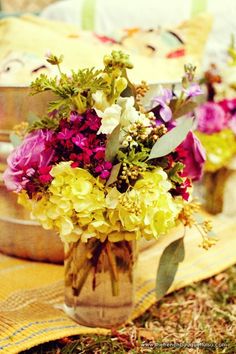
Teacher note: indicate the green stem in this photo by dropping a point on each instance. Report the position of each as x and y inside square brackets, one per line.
[79, 283]
[113, 269]
[179, 102]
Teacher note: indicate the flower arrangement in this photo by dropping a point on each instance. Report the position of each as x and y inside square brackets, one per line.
[216, 128]
[103, 171]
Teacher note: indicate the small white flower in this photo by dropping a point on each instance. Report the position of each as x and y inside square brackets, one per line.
[110, 119]
[100, 100]
[129, 114]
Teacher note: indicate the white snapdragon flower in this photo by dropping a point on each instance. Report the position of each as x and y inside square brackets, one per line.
[100, 100]
[124, 113]
[110, 119]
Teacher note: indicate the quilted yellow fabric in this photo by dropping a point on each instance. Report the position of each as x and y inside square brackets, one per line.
[35, 36]
[31, 293]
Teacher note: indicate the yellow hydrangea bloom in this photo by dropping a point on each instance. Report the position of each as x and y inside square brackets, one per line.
[79, 206]
[220, 148]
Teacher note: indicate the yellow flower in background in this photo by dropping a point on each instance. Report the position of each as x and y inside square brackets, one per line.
[220, 148]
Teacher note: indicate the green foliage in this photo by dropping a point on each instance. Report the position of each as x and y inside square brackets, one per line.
[45, 123]
[112, 144]
[74, 92]
[133, 157]
[173, 173]
[168, 266]
[15, 139]
[117, 59]
[180, 109]
[171, 140]
[114, 174]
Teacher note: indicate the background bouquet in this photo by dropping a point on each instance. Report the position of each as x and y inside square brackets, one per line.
[103, 172]
[216, 129]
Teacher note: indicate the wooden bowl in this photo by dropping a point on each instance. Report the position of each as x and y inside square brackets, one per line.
[17, 105]
[24, 238]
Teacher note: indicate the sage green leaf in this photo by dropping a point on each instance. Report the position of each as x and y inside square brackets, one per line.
[15, 140]
[168, 265]
[32, 117]
[169, 141]
[112, 144]
[114, 174]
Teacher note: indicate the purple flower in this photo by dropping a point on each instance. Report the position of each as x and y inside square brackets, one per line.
[27, 159]
[193, 90]
[163, 101]
[194, 157]
[210, 118]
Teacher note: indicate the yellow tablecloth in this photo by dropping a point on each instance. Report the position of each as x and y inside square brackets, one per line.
[31, 292]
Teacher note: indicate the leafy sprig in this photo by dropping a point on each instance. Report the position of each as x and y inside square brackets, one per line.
[74, 92]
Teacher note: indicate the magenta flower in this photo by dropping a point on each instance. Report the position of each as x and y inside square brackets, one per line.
[210, 118]
[65, 134]
[104, 170]
[229, 106]
[163, 101]
[194, 157]
[80, 140]
[26, 160]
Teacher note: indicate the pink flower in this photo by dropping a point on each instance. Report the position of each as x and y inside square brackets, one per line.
[194, 157]
[104, 170]
[26, 160]
[80, 140]
[211, 118]
[65, 134]
[229, 106]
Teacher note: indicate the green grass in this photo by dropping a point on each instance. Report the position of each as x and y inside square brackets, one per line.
[201, 313]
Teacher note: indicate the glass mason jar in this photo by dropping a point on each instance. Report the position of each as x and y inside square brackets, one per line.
[99, 282]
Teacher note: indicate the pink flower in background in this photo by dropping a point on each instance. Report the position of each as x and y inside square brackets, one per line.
[229, 106]
[194, 156]
[27, 159]
[210, 118]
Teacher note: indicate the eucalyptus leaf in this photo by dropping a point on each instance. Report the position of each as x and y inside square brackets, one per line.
[114, 174]
[32, 117]
[168, 266]
[112, 144]
[15, 140]
[169, 141]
